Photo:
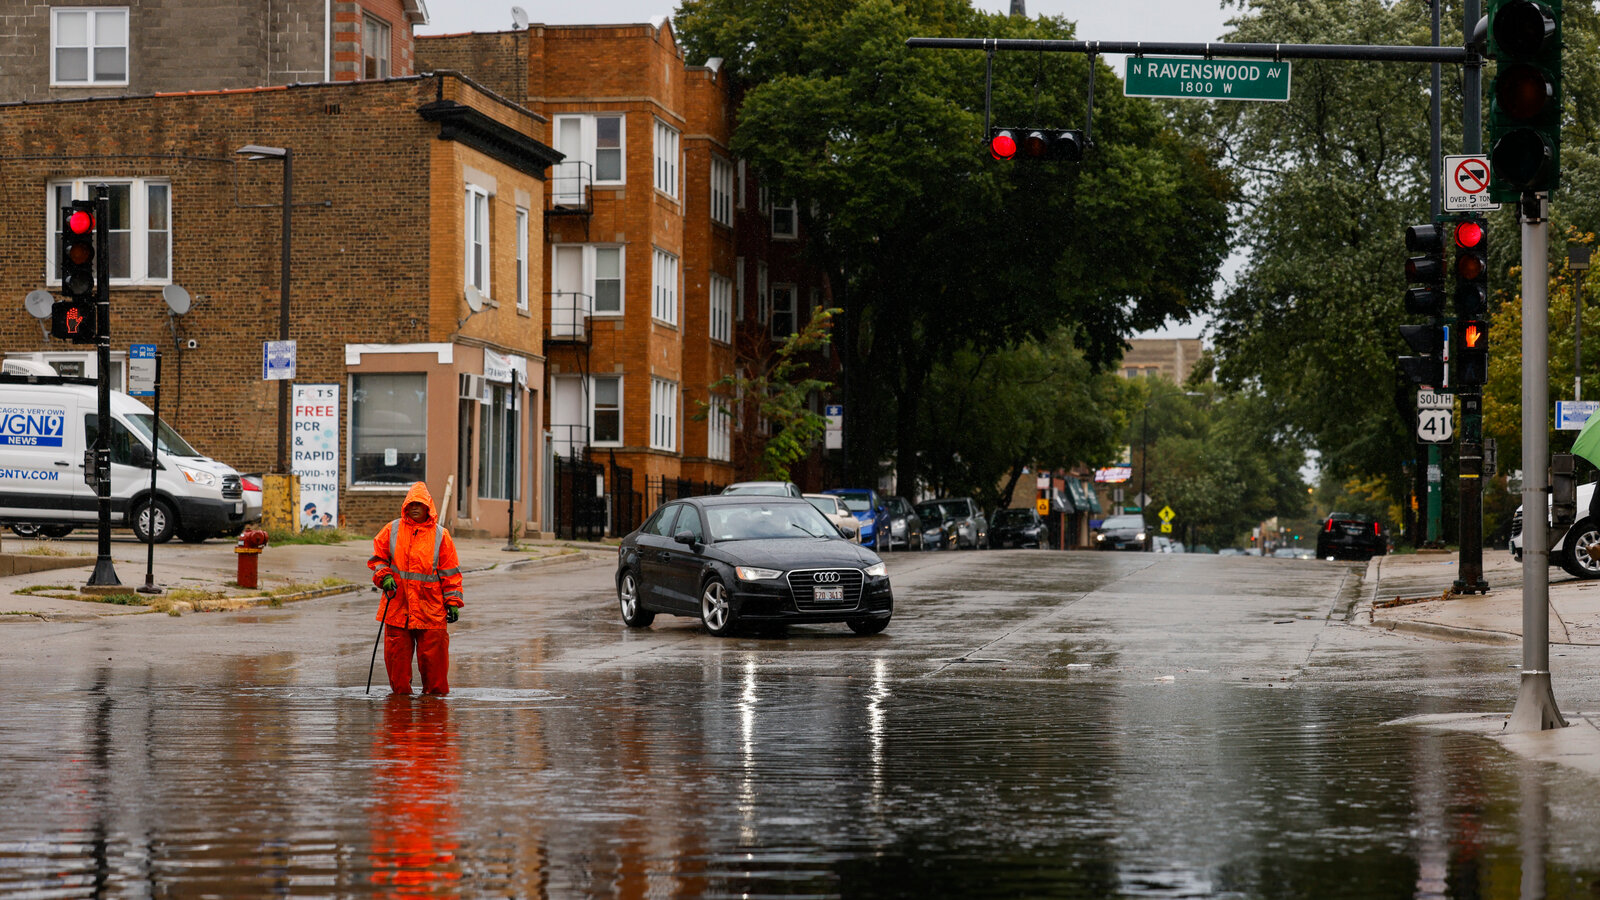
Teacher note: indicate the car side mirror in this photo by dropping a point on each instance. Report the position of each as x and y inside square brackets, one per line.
[686, 537]
[139, 456]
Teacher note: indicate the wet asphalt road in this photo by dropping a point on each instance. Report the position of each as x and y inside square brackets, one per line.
[1031, 724]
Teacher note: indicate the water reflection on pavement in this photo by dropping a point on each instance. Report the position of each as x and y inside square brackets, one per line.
[714, 778]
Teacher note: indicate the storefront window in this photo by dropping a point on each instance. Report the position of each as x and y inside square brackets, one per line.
[388, 429]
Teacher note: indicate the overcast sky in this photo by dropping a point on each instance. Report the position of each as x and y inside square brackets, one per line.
[1098, 20]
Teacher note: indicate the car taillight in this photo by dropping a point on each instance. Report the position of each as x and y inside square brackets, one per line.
[1330, 526]
[249, 483]
[1377, 529]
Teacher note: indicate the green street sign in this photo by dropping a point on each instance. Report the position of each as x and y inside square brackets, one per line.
[1206, 79]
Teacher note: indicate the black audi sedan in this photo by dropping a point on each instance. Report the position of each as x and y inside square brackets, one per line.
[1018, 527]
[736, 560]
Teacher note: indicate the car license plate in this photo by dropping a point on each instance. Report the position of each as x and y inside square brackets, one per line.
[828, 594]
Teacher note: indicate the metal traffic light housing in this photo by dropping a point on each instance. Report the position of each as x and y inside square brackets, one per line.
[1525, 107]
[1040, 144]
[1429, 342]
[1472, 269]
[1426, 271]
[73, 318]
[1472, 357]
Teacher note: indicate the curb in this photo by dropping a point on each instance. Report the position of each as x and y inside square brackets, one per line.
[1448, 632]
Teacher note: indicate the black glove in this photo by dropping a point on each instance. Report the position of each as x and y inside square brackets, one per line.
[450, 615]
[387, 584]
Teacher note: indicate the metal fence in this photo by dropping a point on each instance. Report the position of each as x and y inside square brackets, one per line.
[580, 501]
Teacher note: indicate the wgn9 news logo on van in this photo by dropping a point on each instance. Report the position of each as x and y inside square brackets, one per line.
[22, 426]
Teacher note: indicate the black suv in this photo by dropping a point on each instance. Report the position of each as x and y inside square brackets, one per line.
[1351, 536]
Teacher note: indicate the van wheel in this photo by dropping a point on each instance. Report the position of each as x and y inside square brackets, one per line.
[25, 529]
[192, 537]
[153, 522]
[55, 531]
[1575, 558]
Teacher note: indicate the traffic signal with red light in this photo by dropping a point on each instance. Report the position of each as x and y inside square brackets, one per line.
[1472, 269]
[1472, 359]
[73, 318]
[1425, 271]
[1525, 107]
[1049, 144]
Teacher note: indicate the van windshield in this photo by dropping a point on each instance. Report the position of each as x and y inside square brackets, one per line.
[171, 441]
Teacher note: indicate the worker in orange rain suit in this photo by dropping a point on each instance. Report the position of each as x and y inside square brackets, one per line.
[414, 561]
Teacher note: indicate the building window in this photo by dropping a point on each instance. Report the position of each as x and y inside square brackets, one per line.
[608, 149]
[593, 145]
[663, 415]
[721, 309]
[761, 292]
[721, 191]
[666, 159]
[738, 289]
[497, 445]
[89, 46]
[585, 280]
[477, 229]
[785, 220]
[522, 259]
[784, 323]
[374, 48]
[140, 229]
[719, 441]
[607, 281]
[606, 410]
[388, 429]
[665, 281]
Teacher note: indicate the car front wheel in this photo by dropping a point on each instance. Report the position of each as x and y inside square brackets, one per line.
[868, 626]
[633, 615]
[716, 612]
[1575, 557]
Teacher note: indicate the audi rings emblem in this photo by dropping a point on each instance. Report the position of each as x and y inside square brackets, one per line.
[826, 577]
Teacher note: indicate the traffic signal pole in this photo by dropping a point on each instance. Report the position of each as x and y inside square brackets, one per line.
[1469, 569]
[1435, 206]
[105, 572]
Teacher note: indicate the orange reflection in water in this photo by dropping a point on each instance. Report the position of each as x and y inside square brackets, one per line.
[413, 809]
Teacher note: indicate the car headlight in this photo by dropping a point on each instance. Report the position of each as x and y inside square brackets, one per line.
[1099, 537]
[198, 476]
[877, 571]
[1139, 536]
[751, 573]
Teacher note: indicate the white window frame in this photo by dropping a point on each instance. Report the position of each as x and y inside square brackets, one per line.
[664, 287]
[666, 158]
[721, 191]
[499, 421]
[523, 292]
[763, 300]
[792, 311]
[594, 409]
[721, 303]
[792, 231]
[663, 415]
[94, 15]
[589, 148]
[476, 229]
[354, 406]
[719, 430]
[139, 231]
[385, 35]
[589, 278]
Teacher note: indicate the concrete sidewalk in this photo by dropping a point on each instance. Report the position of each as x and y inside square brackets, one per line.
[202, 576]
[1492, 618]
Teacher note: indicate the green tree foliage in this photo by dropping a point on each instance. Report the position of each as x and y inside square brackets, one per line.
[932, 247]
[995, 413]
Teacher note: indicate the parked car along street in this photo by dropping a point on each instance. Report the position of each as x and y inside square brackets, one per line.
[764, 488]
[938, 528]
[1571, 552]
[972, 527]
[1018, 527]
[1121, 533]
[869, 510]
[733, 560]
[836, 512]
[905, 526]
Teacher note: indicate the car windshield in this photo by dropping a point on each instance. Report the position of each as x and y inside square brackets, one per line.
[856, 501]
[764, 489]
[171, 441]
[765, 521]
[825, 505]
[1012, 517]
[1123, 522]
[932, 512]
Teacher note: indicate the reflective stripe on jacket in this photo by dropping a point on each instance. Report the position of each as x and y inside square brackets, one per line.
[422, 558]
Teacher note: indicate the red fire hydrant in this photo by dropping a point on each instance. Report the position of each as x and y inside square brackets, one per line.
[249, 549]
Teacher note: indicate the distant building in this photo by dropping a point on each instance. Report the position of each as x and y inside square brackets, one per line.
[1170, 358]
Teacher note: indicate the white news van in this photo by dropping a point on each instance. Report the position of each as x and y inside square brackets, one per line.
[47, 422]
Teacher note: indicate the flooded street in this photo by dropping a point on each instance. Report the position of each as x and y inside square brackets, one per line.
[1030, 725]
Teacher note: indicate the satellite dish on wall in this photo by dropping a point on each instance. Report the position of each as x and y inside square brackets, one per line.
[39, 303]
[177, 298]
[474, 299]
[519, 18]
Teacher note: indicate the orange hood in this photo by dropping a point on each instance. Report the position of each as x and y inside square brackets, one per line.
[419, 494]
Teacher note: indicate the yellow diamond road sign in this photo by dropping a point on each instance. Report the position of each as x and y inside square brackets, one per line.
[1167, 514]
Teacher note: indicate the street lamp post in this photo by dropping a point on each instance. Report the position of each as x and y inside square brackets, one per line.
[1578, 262]
[255, 152]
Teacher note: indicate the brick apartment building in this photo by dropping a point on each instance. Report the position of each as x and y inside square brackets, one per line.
[666, 268]
[406, 193]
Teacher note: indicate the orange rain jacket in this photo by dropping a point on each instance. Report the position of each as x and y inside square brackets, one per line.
[422, 558]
